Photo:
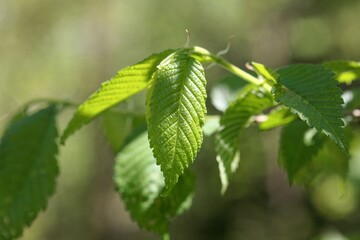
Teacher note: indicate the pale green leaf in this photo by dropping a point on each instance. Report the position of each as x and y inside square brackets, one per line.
[277, 117]
[28, 169]
[299, 144]
[311, 92]
[140, 182]
[126, 83]
[346, 71]
[251, 102]
[176, 113]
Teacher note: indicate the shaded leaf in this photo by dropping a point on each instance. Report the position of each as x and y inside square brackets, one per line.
[140, 182]
[176, 113]
[299, 144]
[252, 101]
[126, 83]
[311, 92]
[277, 117]
[28, 169]
[346, 71]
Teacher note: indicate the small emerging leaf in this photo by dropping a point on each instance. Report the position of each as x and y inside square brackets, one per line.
[126, 83]
[140, 182]
[311, 92]
[28, 169]
[251, 102]
[266, 72]
[176, 113]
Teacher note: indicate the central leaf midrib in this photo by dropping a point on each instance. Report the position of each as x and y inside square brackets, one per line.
[183, 76]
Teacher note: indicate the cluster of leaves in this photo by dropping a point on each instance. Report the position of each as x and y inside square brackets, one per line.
[154, 151]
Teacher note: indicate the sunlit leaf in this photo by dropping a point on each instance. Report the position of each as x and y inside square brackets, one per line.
[251, 102]
[140, 183]
[311, 92]
[176, 113]
[126, 83]
[28, 169]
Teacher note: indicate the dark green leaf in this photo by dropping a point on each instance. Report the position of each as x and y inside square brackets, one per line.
[311, 92]
[28, 169]
[299, 144]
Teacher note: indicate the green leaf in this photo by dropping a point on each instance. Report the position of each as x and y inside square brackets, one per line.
[346, 71]
[299, 144]
[252, 101]
[277, 117]
[176, 113]
[126, 83]
[140, 182]
[311, 92]
[28, 169]
[225, 91]
[268, 74]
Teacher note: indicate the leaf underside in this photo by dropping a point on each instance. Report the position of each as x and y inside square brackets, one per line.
[251, 102]
[175, 114]
[299, 144]
[311, 92]
[28, 169]
[126, 83]
[140, 183]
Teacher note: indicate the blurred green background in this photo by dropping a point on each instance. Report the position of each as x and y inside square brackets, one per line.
[63, 49]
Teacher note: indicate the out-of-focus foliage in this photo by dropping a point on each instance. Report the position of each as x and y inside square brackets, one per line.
[63, 49]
